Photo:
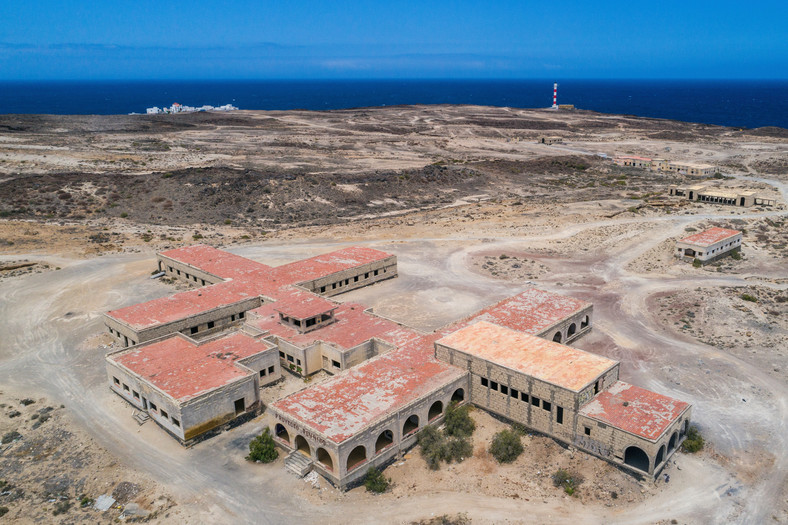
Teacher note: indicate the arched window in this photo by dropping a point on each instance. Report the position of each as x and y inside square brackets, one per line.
[674, 439]
[281, 432]
[324, 458]
[435, 410]
[557, 337]
[302, 446]
[357, 456]
[635, 457]
[411, 425]
[385, 439]
[458, 396]
[660, 455]
[572, 330]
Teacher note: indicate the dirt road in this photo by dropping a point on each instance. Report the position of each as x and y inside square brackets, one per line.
[46, 318]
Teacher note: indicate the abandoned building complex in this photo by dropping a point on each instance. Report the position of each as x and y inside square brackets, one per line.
[196, 361]
[709, 245]
[683, 167]
[732, 197]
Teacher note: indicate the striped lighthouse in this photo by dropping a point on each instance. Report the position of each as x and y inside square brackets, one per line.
[555, 95]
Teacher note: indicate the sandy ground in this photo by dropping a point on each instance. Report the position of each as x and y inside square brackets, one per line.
[728, 360]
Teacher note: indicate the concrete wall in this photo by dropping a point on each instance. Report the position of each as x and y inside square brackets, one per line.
[611, 443]
[571, 328]
[217, 407]
[711, 252]
[220, 316]
[524, 399]
[367, 438]
[358, 277]
[147, 395]
[186, 272]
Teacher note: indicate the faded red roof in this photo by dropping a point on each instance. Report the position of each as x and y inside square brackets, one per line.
[710, 236]
[327, 264]
[552, 362]
[531, 311]
[181, 305]
[352, 327]
[299, 304]
[342, 406]
[220, 263]
[635, 410]
[184, 370]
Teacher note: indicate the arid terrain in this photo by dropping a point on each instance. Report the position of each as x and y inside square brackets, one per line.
[475, 210]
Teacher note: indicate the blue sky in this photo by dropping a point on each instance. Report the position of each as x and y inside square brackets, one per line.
[243, 39]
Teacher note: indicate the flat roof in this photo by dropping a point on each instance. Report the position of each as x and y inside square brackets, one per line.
[633, 157]
[299, 304]
[531, 311]
[554, 363]
[327, 264]
[352, 327]
[345, 404]
[710, 236]
[182, 305]
[634, 410]
[184, 370]
[223, 264]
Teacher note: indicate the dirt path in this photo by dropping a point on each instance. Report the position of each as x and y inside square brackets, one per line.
[46, 318]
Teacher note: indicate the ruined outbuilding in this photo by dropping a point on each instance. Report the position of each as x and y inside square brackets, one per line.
[196, 361]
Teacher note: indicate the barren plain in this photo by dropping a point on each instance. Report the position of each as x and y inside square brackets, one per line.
[475, 210]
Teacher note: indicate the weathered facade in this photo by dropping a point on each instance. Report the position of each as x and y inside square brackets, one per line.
[730, 197]
[709, 245]
[196, 361]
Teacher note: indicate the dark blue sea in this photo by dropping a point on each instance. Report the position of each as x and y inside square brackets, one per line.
[729, 103]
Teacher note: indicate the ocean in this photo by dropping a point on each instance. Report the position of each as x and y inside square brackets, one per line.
[729, 103]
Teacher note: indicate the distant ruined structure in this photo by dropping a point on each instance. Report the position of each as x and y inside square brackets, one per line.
[195, 362]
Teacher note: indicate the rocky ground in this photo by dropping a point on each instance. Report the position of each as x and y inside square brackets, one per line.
[475, 209]
[52, 471]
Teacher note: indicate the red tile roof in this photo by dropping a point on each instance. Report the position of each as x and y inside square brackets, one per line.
[181, 305]
[531, 311]
[352, 327]
[299, 304]
[344, 405]
[710, 236]
[223, 264]
[545, 360]
[184, 370]
[327, 264]
[635, 410]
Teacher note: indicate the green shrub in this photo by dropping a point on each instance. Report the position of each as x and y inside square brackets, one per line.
[86, 501]
[458, 422]
[376, 482]
[696, 263]
[506, 446]
[748, 297]
[124, 215]
[570, 481]
[694, 441]
[736, 255]
[437, 446]
[262, 448]
[3, 511]
[61, 508]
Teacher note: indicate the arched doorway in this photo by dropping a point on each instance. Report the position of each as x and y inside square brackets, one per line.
[385, 439]
[302, 446]
[281, 432]
[557, 337]
[324, 458]
[674, 439]
[411, 425]
[660, 456]
[435, 410]
[357, 456]
[458, 396]
[635, 457]
[572, 330]
[586, 320]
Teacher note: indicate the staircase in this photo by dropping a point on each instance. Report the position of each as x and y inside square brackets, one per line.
[298, 464]
[140, 417]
